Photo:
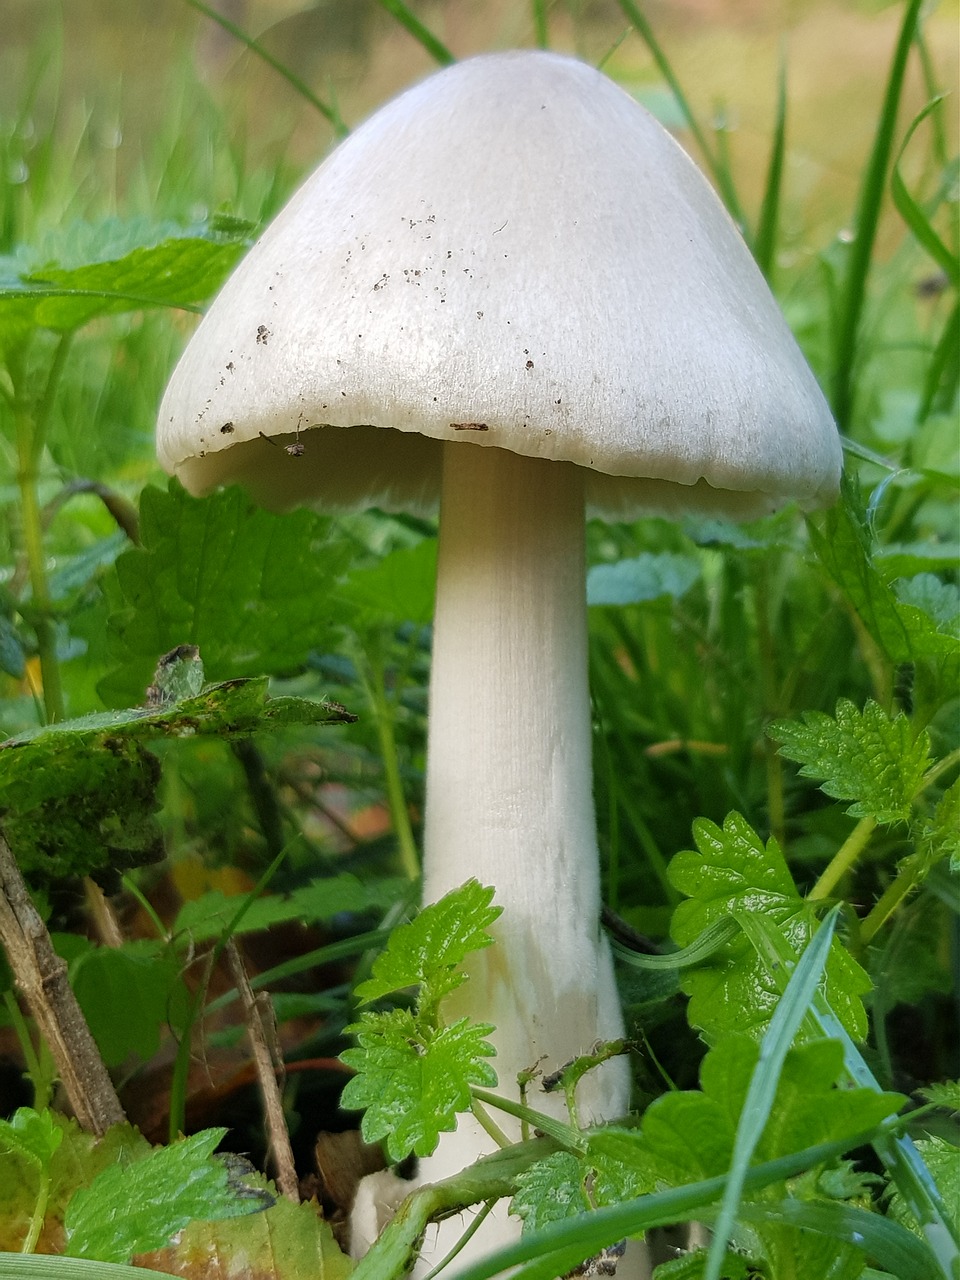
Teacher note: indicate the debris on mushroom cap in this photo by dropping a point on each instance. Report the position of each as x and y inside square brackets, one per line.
[513, 253]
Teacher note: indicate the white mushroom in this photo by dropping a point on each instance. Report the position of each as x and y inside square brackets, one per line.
[510, 287]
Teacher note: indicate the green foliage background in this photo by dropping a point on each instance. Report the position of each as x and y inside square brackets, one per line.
[782, 696]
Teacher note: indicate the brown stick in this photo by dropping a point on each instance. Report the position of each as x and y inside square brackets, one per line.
[256, 1017]
[41, 976]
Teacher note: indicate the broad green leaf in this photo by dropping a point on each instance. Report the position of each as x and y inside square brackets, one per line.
[127, 995]
[808, 1110]
[209, 915]
[133, 1208]
[246, 587]
[75, 1160]
[410, 1085]
[399, 588]
[428, 952]
[32, 1134]
[646, 577]
[732, 871]
[285, 1242]
[81, 794]
[112, 267]
[689, 1136]
[550, 1190]
[867, 757]
[689, 1266]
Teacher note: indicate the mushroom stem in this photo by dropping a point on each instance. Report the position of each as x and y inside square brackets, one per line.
[509, 784]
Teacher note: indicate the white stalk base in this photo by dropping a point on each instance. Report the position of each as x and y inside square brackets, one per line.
[509, 789]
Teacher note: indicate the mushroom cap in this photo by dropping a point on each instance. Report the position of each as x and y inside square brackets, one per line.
[515, 254]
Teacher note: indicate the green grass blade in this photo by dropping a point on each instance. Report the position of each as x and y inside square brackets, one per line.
[540, 33]
[19, 1266]
[903, 1254]
[786, 1021]
[765, 240]
[706, 944]
[304, 90]
[412, 24]
[897, 1152]
[854, 287]
[563, 1244]
[719, 171]
[912, 214]
[943, 372]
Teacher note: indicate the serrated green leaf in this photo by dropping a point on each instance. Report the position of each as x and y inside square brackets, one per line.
[33, 1134]
[902, 630]
[946, 1094]
[134, 1208]
[75, 1162]
[731, 872]
[411, 1085]
[939, 835]
[550, 1190]
[645, 577]
[428, 951]
[285, 1242]
[941, 600]
[867, 757]
[243, 585]
[115, 267]
[209, 915]
[81, 794]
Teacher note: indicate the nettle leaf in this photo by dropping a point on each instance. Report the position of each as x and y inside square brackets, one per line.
[113, 267]
[939, 835]
[941, 600]
[34, 1135]
[945, 1095]
[429, 950]
[134, 1208]
[902, 629]
[285, 1242]
[867, 757]
[80, 795]
[689, 1136]
[733, 871]
[75, 1159]
[411, 1082]
[323, 898]
[245, 586]
[648, 576]
[550, 1190]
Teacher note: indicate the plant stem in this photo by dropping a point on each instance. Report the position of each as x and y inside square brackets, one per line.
[42, 977]
[489, 1179]
[375, 688]
[843, 859]
[31, 432]
[488, 1124]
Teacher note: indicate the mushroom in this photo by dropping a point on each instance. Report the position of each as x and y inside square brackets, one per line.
[512, 291]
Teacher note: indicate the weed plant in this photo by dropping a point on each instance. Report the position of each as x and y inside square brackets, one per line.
[776, 756]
